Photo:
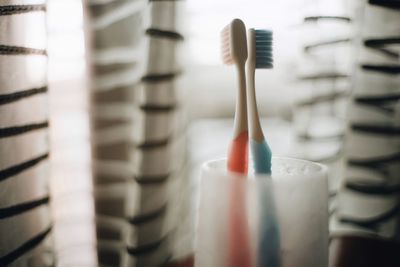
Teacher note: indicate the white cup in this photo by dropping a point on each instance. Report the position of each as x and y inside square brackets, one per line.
[299, 190]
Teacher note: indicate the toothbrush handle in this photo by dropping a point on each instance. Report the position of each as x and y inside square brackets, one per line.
[255, 129]
[261, 154]
[269, 247]
[240, 123]
[270, 244]
[238, 151]
[239, 237]
[238, 154]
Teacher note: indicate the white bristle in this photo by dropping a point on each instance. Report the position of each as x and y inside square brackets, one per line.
[225, 46]
[233, 43]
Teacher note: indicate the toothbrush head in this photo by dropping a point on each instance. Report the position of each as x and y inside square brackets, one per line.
[234, 43]
[263, 49]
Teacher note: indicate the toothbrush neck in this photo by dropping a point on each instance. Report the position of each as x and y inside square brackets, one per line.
[240, 124]
[255, 129]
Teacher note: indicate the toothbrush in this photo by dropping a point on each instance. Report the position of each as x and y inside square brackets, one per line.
[260, 57]
[234, 51]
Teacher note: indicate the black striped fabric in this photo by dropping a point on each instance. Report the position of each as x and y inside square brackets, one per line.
[22, 207]
[153, 207]
[21, 129]
[20, 9]
[16, 211]
[17, 50]
[391, 4]
[10, 98]
[382, 184]
[24, 248]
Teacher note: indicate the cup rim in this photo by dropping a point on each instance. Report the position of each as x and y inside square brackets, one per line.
[322, 169]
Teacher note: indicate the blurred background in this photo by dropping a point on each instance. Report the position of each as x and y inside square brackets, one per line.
[139, 98]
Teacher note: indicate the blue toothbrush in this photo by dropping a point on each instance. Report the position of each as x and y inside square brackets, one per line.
[260, 57]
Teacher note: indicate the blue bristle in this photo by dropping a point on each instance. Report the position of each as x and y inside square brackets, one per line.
[264, 56]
